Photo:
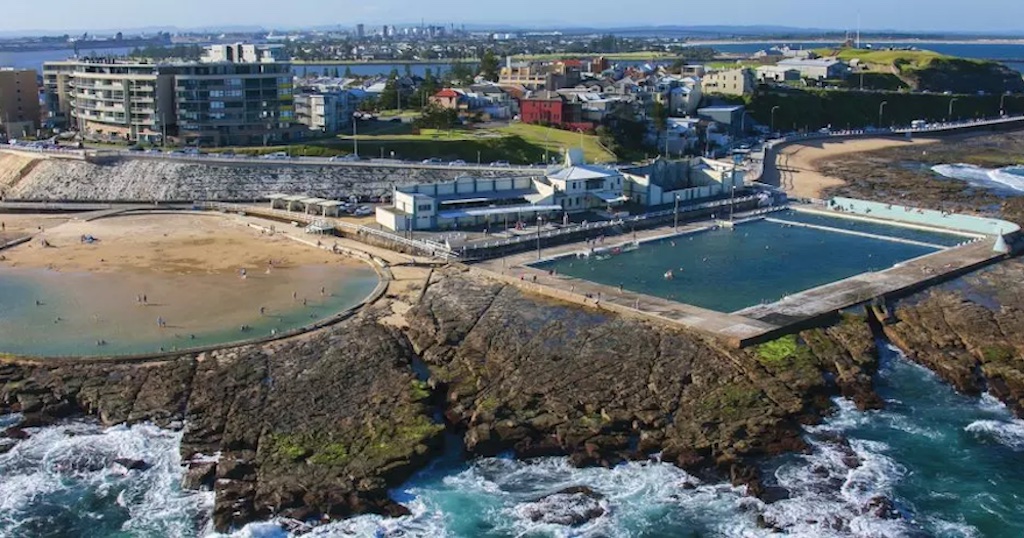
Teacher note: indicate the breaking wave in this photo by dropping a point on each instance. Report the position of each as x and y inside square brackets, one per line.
[64, 479]
[1009, 179]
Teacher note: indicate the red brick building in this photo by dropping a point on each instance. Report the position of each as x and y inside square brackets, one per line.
[550, 108]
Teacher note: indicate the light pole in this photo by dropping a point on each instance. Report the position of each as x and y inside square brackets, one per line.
[774, 108]
[1002, 105]
[676, 225]
[355, 135]
[951, 101]
[881, 109]
[539, 220]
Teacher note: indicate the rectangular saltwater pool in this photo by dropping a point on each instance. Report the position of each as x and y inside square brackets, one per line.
[757, 262]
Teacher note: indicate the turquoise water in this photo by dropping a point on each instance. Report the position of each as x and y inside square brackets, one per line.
[71, 316]
[949, 463]
[728, 270]
[924, 236]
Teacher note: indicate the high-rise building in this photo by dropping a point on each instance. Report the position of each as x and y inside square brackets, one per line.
[360, 31]
[19, 102]
[237, 95]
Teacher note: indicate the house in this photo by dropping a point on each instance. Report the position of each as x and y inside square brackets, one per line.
[447, 98]
[774, 74]
[551, 108]
[732, 118]
[730, 82]
[817, 68]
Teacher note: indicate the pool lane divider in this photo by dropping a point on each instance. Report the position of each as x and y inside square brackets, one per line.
[857, 233]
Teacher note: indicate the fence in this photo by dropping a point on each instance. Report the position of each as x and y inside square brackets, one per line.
[429, 248]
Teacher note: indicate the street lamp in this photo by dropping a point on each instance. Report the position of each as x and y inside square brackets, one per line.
[881, 108]
[774, 108]
[355, 135]
[539, 221]
[676, 226]
[951, 101]
[1002, 105]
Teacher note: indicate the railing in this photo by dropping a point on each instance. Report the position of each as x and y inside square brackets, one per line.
[429, 248]
[935, 127]
[601, 225]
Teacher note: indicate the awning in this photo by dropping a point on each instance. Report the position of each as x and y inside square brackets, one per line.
[501, 210]
[610, 197]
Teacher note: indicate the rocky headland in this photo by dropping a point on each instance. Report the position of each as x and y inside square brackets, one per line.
[320, 426]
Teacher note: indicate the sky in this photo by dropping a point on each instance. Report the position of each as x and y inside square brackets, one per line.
[988, 16]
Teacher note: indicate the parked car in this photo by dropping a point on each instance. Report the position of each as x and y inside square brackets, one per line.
[364, 211]
[502, 164]
[458, 162]
[276, 155]
[432, 160]
[345, 158]
[134, 148]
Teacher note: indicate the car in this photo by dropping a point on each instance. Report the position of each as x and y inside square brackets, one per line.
[363, 211]
[502, 164]
[345, 158]
[458, 162]
[277, 155]
[152, 151]
[134, 148]
[395, 120]
[432, 160]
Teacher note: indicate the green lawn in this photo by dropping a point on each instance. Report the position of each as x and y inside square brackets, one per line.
[517, 143]
[557, 140]
[914, 58]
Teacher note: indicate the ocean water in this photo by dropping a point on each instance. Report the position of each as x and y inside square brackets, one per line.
[1007, 181]
[950, 465]
[730, 269]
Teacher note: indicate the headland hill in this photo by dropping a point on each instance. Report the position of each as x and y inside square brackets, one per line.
[484, 332]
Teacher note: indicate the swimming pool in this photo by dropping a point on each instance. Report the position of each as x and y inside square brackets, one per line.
[762, 261]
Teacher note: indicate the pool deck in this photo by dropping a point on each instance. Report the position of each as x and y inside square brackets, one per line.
[749, 326]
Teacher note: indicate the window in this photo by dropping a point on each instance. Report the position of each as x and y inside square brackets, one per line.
[216, 104]
[423, 207]
[216, 93]
[234, 82]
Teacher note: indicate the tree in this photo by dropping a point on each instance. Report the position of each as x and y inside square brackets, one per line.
[327, 72]
[408, 70]
[489, 65]
[336, 73]
[437, 117]
[348, 71]
[460, 74]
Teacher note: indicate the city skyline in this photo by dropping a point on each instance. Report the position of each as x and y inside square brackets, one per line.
[991, 17]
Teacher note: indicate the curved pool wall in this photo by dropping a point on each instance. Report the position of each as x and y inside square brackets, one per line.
[926, 217]
[370, 284]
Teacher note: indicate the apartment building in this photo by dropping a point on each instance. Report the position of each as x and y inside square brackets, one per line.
[730, 82]
[325, 110]
[19, 102]
[237, 95]
[234, 104]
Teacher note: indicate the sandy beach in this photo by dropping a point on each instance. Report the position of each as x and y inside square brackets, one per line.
[168, 243]
[796, 169]
[166, 281]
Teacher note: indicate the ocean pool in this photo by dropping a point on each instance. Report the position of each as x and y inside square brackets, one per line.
[49, 313]
[756, 262]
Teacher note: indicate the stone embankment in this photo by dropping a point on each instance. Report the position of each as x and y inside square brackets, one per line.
[144, 179]
[323, 425]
